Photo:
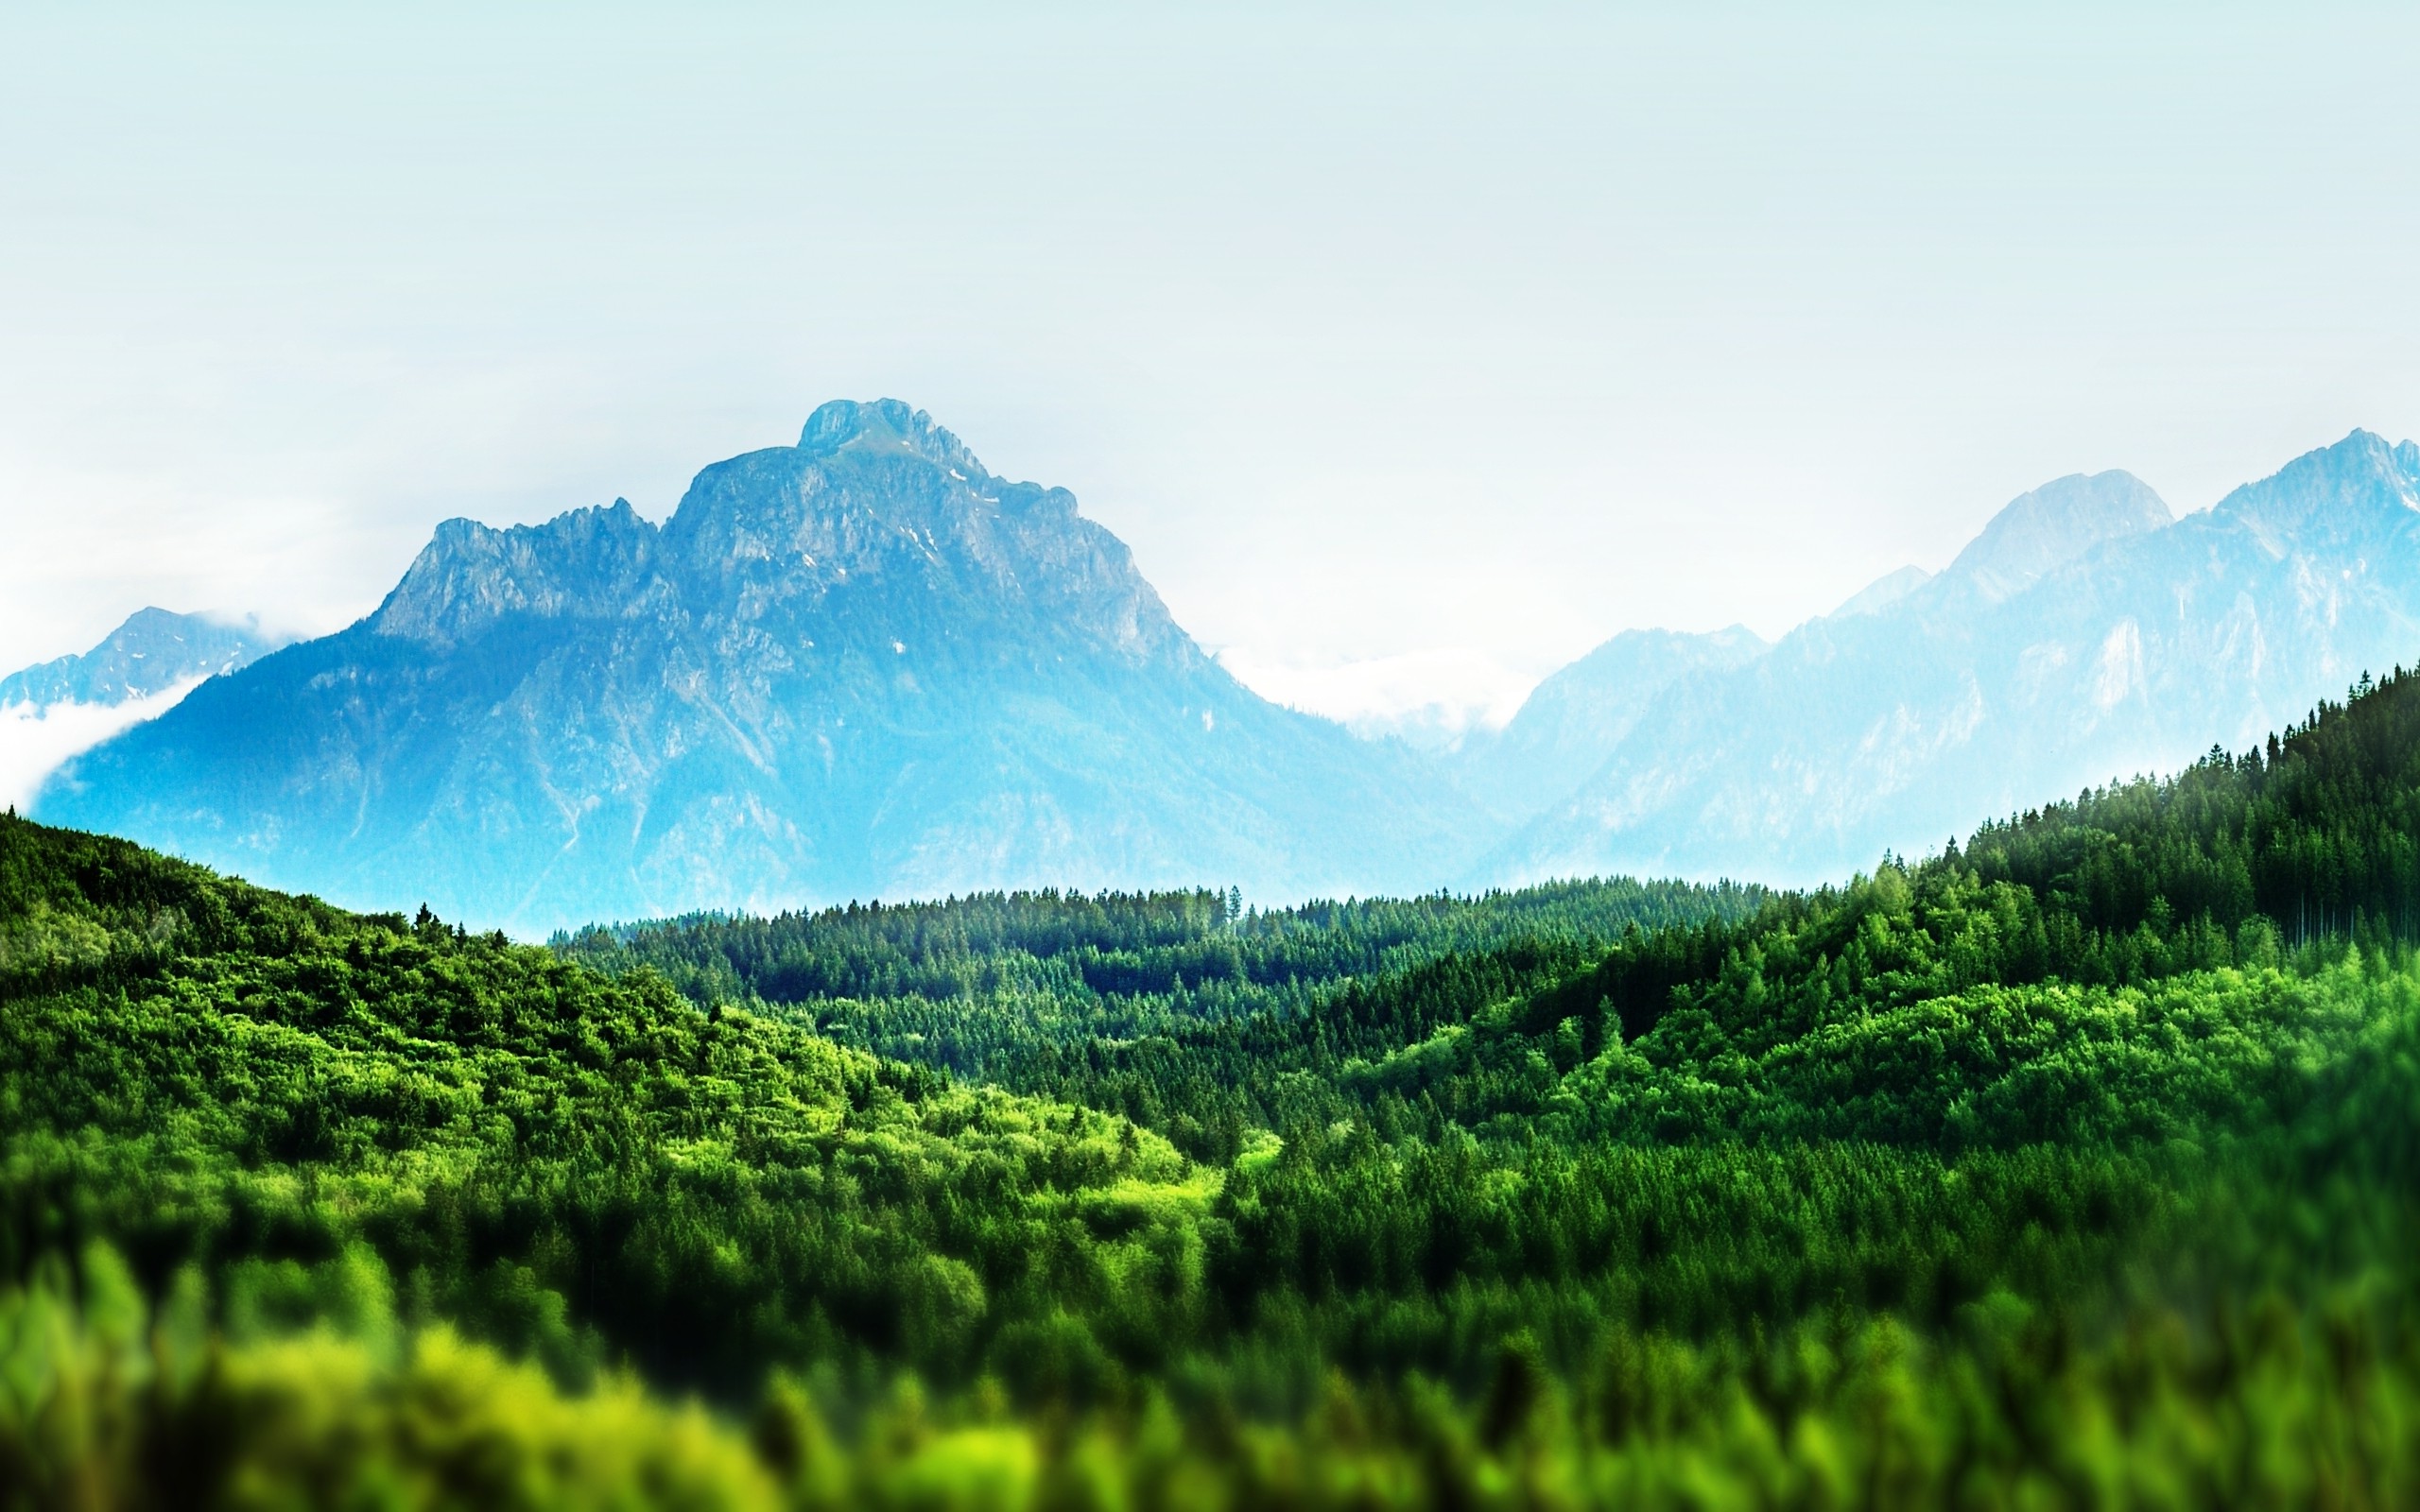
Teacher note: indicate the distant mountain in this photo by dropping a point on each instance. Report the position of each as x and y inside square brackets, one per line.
[1883, 591]
[859, 665]
[2039, 532]
[151, 653]
[1566, 727]
[2083, 635]
[49, 713]
[1575, 720]
[863, 665]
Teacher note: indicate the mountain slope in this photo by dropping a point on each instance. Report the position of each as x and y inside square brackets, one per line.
[2039, 532]
[858, 665]
[1566, 727]
[2077, 640]
[1884, 590]
[50, 711]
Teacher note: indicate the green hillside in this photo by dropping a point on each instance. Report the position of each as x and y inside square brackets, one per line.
[2075, 1166]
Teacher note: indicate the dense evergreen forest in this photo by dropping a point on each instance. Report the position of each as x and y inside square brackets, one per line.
[2073, 1165]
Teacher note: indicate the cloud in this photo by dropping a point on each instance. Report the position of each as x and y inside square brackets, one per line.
[1433, 698]
[34, 742]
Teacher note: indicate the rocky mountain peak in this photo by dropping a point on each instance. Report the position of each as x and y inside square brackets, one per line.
[886, 424]
[2361, 486]
[859, 665]
[2042, 531]
[886, 519]
[150, 652]
[589, 562]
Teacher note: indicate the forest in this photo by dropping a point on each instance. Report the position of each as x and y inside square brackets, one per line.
[2072, 1165]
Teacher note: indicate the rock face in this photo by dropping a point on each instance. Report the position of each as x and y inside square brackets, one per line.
[152, 653]
[2082, 636]
[860, 666]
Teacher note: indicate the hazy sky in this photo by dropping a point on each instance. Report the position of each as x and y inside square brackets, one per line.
[1449, 341]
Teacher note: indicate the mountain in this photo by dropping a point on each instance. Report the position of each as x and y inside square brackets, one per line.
[2039, 532]
[1578, 717]
[1884, 590]
[1564, 729]
[930, 1199]
[148, 655]
[50, 711]
[858, 665]
[2083, 635]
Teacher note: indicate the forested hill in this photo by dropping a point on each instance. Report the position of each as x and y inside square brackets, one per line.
[960, 984]
[2073, 1165]
[1492, 1014]
[1125, 943]
[2318, 832]
[2316, 835]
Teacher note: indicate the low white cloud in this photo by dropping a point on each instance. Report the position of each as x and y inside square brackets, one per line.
[1432, 698]
[35, 740]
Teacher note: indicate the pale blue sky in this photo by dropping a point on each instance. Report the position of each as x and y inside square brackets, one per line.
[1473, 335]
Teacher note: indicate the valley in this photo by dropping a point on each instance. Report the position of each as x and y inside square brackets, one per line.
[2011, 1173]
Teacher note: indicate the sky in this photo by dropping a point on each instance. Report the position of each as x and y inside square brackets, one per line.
[1414, 351]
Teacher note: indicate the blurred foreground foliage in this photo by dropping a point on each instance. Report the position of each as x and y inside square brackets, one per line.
[107, 1403]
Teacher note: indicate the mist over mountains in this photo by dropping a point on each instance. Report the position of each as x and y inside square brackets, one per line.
[863, 665]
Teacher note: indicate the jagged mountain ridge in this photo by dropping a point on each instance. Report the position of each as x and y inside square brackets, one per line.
[860, 666]
[863, 665]
[2108, 644]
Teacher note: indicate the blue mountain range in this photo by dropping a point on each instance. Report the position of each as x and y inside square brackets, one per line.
[860, 666]
[2085, 635]
[863, 665]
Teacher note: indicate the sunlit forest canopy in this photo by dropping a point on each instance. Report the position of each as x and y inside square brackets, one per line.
[2073, 1164]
